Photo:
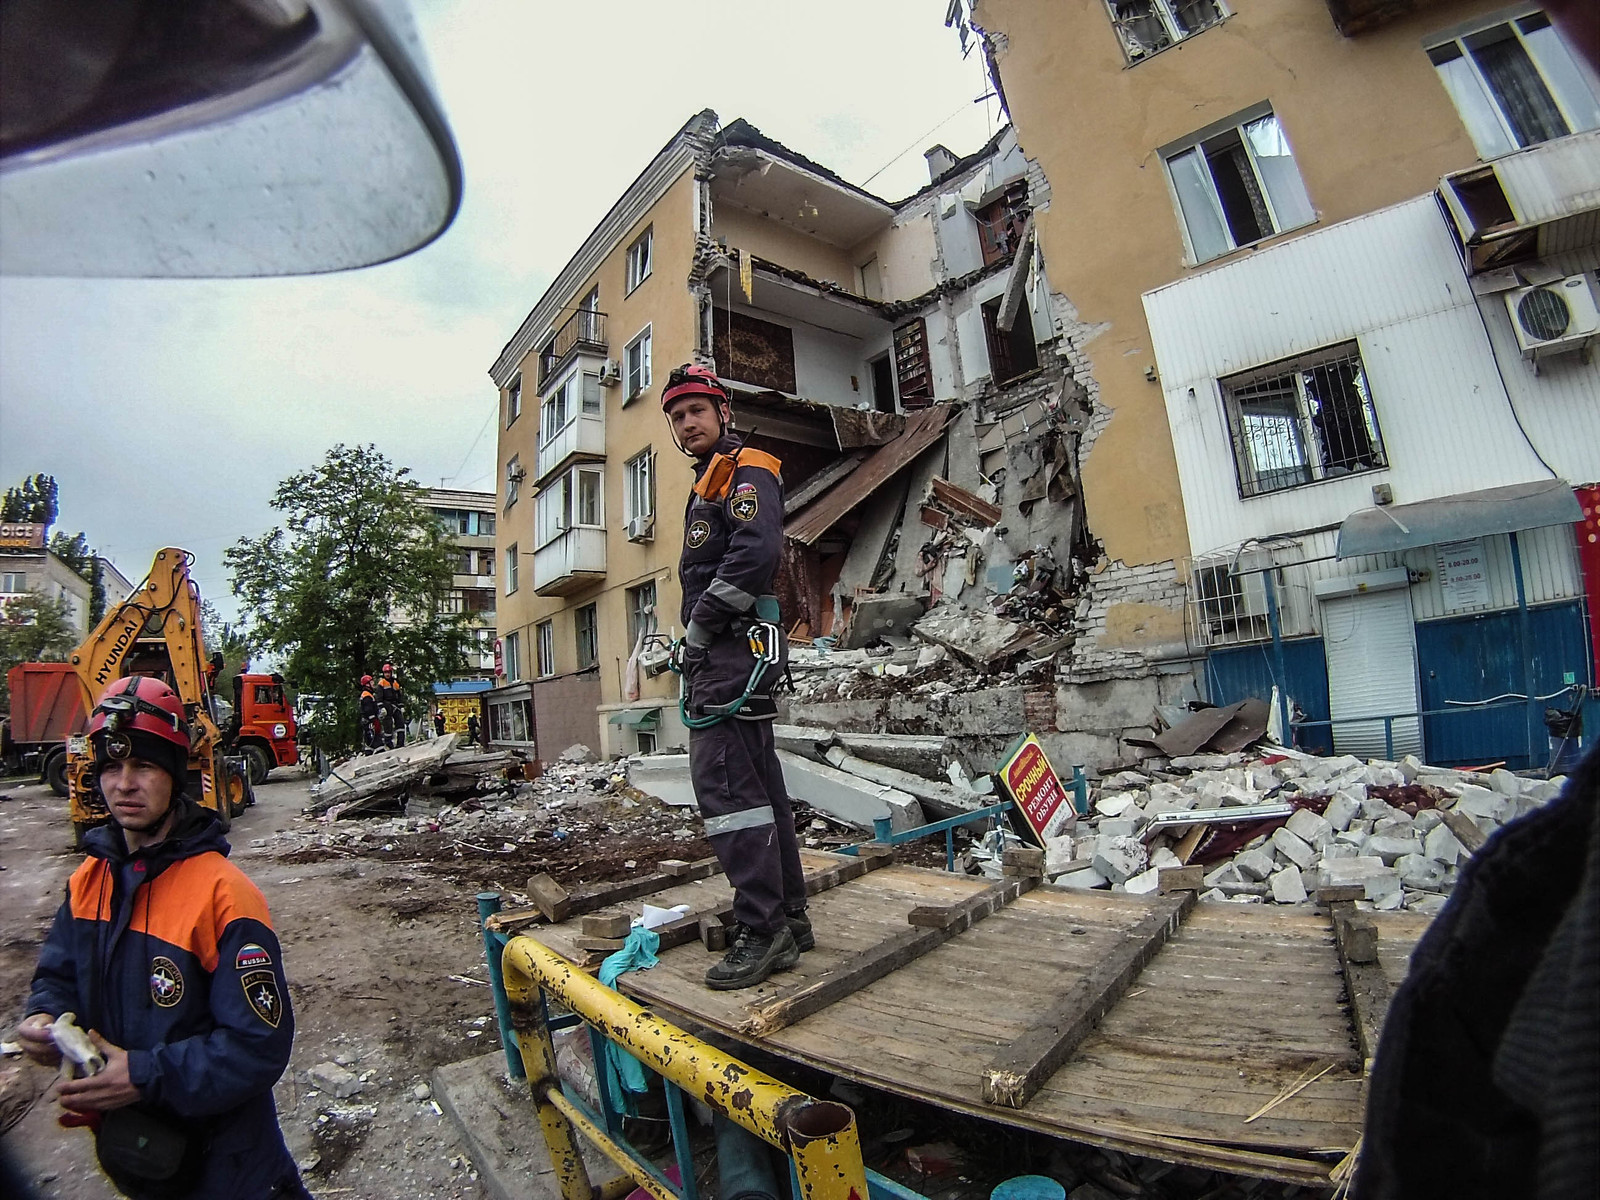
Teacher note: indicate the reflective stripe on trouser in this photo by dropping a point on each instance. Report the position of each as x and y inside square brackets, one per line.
[739, 784]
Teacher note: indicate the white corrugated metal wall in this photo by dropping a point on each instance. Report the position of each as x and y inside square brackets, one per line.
[1391, 281]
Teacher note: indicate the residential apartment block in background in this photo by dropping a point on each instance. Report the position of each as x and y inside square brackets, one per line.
[27, 566]
[1333, 276]
[469, 523]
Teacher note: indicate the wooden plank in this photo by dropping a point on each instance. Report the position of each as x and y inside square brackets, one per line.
[877, 961]
[1019, 1072]
[553, 900]
[1181, 879]
[590, 899]
[1466, 831]
[607, 925]
[1364, 980]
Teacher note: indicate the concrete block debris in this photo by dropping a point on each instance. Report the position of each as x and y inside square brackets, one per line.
[1387, 835]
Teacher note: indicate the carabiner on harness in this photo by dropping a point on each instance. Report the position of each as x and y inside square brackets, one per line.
[765, 647]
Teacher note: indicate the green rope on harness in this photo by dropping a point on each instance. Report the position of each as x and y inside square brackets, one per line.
[764, 646]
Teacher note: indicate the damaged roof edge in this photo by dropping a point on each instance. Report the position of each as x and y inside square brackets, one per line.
[921, 431]
[679, 153]
[740, 133]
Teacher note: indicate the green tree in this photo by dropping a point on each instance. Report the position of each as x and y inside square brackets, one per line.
[355, 577]
[75, 551]
[33, 628]
[33, 501]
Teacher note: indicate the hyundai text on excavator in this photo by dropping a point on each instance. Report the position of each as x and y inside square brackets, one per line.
[156, 631]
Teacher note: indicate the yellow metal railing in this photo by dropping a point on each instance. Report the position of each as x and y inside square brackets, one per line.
[819, 1136]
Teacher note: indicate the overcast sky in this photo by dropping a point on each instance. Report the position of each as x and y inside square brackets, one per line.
[169, 410]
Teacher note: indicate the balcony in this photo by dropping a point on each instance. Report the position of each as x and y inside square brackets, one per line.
[576, 559]
[583, 330]
[584, 434]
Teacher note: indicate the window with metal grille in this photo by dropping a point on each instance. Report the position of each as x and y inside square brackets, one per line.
[1146, 26]
[1302, 421]
[1516, 84]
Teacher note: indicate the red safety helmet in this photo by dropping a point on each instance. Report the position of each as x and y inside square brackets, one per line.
[366, 681]
[388, 668]
[691, 379]
[141, 717]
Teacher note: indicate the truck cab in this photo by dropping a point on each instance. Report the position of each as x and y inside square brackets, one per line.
[264, 728]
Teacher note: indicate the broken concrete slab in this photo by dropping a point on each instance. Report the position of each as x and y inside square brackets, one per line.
[664, 776]
[334, 1079]
[873, 616]
[809, 741]
[919, 754]
[1389, 849]
[1119, 858]
[1313, 829]
[1420, 872]
[980, 638]
[940, 800]
[1442, 846]
[1254, 865]
[1291, 847]
[845, 797]
[491, 1114]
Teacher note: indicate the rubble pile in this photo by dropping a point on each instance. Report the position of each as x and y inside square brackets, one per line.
[1277, 825]
[433, 770]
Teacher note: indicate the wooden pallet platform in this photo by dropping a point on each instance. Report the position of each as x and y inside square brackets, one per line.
[1238, 1005]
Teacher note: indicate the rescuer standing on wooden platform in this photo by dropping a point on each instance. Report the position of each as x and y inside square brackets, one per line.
[730, 658]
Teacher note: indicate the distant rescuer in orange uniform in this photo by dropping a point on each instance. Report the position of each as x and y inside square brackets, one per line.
[733, 538]
[165, 951]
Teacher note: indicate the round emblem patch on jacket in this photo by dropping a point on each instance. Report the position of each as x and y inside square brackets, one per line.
[261, 990]
[745, 505]
[166, 981]
[697, 535]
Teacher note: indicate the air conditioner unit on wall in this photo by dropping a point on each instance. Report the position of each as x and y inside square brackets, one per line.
[610, 373]
[1229, 601]
[641, 529]
[1554, 318]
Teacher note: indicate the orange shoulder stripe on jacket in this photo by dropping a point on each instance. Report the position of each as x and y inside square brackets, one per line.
[188, 906]
[760, 458]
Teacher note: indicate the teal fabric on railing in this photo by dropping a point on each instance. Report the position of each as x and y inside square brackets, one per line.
[627, 1073]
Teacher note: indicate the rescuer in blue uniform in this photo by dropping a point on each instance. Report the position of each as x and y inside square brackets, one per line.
[733, 537]
[165, 952]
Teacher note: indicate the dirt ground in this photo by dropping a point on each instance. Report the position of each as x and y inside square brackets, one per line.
[370, 944]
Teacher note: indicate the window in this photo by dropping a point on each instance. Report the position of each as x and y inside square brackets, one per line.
[511, 655]
[1236, 186]
[639, 260]
[1302, 421]
[514, 477]
[511, 569]
[587, 622]
[514, 401]
[589, 488]
[575, 498]
[593, 398]
[511, 721]
[558, 410]
[546, 631]
[1012, 352]
[591, 302]
[641, 611]
[484, 526]
[1000, 224]
[636, 365]
[639, 487]
[1146, 26]
[1516, 84]
[14, 581]
[754, 351]
[485, 565]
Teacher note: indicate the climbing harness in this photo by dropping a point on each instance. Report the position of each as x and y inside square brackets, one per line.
[765, 646]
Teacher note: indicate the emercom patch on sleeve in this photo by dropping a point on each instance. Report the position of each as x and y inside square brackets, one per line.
[261, 990]
[745, 505]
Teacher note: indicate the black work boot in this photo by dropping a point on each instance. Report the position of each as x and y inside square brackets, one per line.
[800, 927]
[752, 958]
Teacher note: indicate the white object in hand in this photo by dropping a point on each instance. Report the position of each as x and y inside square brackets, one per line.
[76, 1048]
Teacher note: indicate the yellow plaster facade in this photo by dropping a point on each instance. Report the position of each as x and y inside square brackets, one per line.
[1369, 123]
[662, 303]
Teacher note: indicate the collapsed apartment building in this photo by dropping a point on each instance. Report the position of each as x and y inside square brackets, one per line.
[907, 363]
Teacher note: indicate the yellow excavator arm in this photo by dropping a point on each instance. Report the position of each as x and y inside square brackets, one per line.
[156, 630]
